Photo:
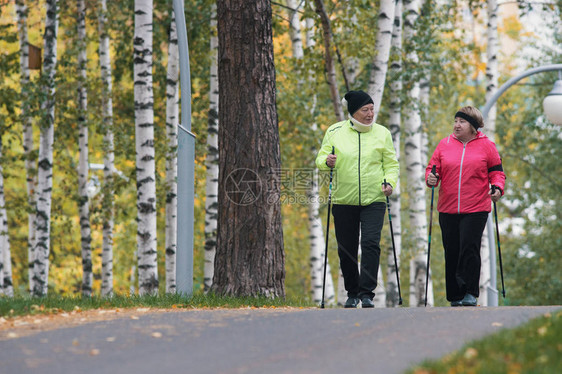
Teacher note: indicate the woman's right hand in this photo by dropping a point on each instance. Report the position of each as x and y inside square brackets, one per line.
[331, 161]
[432, 179]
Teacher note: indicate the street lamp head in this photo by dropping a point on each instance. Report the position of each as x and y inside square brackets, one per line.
[552, 104]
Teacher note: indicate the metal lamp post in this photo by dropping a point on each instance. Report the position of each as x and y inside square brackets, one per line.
[552, 106]
[186, 165]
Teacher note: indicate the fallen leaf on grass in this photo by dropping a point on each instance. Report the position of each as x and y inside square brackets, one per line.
[470, 353]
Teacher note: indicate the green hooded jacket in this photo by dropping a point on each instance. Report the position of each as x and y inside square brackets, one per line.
[364, 160]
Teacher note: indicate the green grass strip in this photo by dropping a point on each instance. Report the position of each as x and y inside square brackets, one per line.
[23, 305]
[535, 347]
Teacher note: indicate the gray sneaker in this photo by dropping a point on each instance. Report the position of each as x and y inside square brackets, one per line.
[351, 302]
[468, 300]
[456, 303]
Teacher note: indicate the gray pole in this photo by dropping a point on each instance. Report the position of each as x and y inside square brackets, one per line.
[186, 165]
[492, 289]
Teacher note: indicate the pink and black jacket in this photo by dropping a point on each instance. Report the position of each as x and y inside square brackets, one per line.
[466, 172]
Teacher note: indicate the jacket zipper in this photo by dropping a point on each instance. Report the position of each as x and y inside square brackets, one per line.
[460, 175]
[359, 166]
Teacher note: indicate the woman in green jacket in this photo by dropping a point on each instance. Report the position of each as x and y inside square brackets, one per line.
[364, 158]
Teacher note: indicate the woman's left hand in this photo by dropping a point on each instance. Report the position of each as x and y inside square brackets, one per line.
[386, 189]
[496, 195]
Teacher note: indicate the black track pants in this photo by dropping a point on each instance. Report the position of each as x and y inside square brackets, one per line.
[462, 236]
[347, 221]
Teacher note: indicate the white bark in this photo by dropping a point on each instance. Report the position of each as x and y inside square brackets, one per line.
[295, 28]
[380, 292]
[318, 250]
[83, 169]
[45, 164]
[212, 162]
[394, 126]
[30, 164]
[415, 173]
[382, 52]
[484, 269]
[109, 156]
[6, 287]
[172, 118]
[144, 143]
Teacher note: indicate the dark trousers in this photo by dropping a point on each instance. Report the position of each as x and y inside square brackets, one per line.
[348, 219]
[462, 236]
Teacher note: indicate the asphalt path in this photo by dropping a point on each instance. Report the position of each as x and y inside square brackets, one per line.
[259, 341]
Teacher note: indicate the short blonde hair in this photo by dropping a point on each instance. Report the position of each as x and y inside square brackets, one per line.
[474, 113]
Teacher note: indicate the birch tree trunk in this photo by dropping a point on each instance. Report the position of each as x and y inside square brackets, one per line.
[172, 118]
[45, 164]
[212, 161]
[144, 141]
[83, 167]
[109, 156]
[26, 120]
[4, 239]
[485, 280]
[492, 75]
[415, 170]
[392, 295]
[6, 283]
[329, 61]
[249, 259]
[317, 243]
[382, 51]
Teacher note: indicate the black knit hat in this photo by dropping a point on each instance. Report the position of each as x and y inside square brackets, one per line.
[354, 100]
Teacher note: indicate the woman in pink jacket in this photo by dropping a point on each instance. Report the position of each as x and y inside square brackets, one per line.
[467, 165]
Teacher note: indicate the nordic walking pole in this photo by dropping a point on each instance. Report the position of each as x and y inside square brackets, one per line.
[498, 239]
[327, 231]
[393, 248]
[429, 238]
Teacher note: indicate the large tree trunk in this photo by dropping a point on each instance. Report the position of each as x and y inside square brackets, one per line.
[415, 170]
[172, 118]
[144, 140]
[382, 51]
[249, 258]
[392, 295]
[45, 164]
[108, 156]
[212, 161]
[26, 120]
[83, 167]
